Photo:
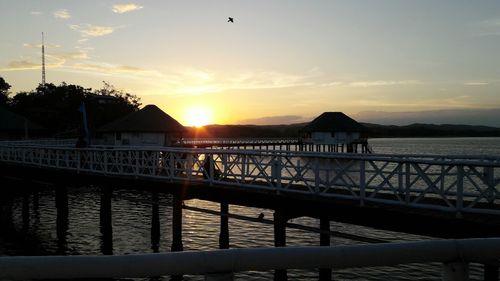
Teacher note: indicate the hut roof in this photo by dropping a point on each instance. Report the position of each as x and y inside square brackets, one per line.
[333, 122]
[148, 119]
[13, 122]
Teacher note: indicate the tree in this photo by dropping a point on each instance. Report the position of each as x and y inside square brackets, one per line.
[56, 106]
[4, 91]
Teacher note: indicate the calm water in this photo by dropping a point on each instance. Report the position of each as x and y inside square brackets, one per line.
[40, 232]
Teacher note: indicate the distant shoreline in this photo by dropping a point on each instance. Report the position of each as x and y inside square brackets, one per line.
[373, 131]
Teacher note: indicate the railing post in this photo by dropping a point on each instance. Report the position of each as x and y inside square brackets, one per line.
[401, 188]
[243, 167]
[455, 271]
[460, 190]
[189, 165]
[407, 182]
[171, 163]
[489, 180]
[316, 175]
[211, 168]
[276, 173]
[362, 182]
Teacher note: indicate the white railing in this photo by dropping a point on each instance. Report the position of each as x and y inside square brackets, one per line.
[45, 142]
[458, 184]
[455, 255]
[238, 141]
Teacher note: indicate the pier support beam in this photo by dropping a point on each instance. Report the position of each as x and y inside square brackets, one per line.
[224, 226]
[177, 223]
[325, 274]
[106, 225]
[280, 241]
[155, 222]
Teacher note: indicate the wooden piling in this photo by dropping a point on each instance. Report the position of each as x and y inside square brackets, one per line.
[224, 226]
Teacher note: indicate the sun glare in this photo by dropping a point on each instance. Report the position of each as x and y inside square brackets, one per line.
[198, 116]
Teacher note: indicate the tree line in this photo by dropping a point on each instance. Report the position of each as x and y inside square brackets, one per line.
[56, 107]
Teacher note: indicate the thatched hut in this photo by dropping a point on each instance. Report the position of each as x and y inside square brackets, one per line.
[337, 129]
[149, 126]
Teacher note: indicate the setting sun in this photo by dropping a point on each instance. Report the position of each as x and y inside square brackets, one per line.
[198, 116]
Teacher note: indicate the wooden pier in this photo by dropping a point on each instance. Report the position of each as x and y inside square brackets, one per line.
[461, 190]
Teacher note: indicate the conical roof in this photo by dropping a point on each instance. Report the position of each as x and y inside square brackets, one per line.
[333, 122]
[148, 119]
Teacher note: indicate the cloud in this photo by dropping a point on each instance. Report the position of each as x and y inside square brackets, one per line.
[21, 65]
[62, 14]
[377, 83]
[89, 30]
[476, 83]
[275, 120]
[39, 46]
[125, 8]
[489, 27]
[35, 13]
[80, 55]
[106, 68]
[204, 81]
[332, 84]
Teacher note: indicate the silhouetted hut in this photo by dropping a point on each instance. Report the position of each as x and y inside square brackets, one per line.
[148, 126]
[334, 131]
[15, 126]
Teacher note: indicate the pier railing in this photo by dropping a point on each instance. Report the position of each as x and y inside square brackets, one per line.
[456, 184]
[455, 256]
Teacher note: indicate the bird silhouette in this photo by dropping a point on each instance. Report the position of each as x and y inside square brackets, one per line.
[230, 19]
[261, 216]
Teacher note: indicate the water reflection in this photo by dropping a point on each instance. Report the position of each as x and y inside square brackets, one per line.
[155, 222]
[106, 223]
[62, 220]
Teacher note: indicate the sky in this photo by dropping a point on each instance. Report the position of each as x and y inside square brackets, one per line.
[281, 61]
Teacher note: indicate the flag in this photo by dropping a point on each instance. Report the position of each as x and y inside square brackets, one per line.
[83, 110]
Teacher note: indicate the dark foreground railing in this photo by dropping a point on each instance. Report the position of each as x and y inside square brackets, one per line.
[455, 255]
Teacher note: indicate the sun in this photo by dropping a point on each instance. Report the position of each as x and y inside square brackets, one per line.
[198, 116]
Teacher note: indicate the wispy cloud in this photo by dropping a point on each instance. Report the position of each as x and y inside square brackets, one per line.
[378, 83]
[62, 14]
[125, 8]
[275, 120]
[20, 65]
[106, 68]
[89, 30]
[38, 46]
[80, 55]
[489, 27]
[35, 13]
[476, 83]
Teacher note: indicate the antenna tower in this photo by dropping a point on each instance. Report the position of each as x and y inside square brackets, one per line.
[43, 61]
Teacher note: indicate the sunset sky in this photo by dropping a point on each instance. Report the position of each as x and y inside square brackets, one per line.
[281, 61]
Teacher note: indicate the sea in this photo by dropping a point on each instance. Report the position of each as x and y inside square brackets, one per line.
[29, 225]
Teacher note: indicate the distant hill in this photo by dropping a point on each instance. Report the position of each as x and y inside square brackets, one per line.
[431, 130]
[374, 131]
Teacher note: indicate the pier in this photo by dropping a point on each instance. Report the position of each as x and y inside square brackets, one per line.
[457, 194]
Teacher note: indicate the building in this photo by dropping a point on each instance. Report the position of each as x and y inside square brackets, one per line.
[149, 126]
[334, 132]
[15, 126]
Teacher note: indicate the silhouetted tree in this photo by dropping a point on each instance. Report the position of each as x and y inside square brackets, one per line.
[4, 91]
[56, 107]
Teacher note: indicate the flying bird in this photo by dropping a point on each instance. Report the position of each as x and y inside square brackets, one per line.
[230, 19]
